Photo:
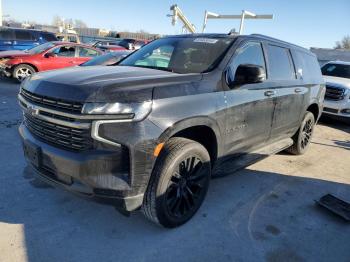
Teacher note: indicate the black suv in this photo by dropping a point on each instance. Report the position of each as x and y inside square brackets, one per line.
[149, 132]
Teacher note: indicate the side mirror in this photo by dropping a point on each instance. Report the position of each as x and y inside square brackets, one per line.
[48, 55]
[246, 74]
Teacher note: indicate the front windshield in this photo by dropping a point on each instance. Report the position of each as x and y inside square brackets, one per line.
[337, 70]
[40, 48]
[181, 55]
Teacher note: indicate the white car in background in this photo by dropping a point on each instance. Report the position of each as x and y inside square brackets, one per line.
[337, 97]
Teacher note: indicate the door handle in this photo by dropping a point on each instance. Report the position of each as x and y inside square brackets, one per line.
[270, 93]
[297, 90]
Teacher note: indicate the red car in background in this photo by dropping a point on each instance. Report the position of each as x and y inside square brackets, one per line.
[48, 56]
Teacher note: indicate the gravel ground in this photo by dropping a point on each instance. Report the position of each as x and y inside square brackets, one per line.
[265, 212]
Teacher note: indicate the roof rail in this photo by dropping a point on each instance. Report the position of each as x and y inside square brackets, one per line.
[277, 40]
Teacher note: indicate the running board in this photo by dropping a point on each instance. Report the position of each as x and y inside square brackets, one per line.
[237, 162]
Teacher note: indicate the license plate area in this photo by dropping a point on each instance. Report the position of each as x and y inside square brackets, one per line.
[32, 153]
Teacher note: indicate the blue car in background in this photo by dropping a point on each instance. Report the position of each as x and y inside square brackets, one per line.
[22, 39]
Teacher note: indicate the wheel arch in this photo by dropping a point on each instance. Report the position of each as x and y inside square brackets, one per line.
[26, 63]
[315, 110]
[203, 130]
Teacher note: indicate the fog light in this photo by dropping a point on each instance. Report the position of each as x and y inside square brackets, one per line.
[346, 111]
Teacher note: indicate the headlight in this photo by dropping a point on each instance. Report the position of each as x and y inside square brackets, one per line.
[136, 111]
[3, 61]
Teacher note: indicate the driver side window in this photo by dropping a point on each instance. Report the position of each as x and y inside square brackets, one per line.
[65, 51]
[249, 53]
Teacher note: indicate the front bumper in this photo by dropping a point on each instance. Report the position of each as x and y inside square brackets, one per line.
[5, 70]
[337, 108]
[100, 174]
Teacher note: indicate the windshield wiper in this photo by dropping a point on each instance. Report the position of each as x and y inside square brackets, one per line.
[156, 68]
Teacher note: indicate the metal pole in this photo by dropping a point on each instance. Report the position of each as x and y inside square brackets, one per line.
[0, 12]
[205, 20]
[242, 22]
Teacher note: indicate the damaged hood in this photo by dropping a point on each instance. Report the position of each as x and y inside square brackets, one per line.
[104, 83]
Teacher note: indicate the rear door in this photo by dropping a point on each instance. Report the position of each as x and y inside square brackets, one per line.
[64, 56]
[25, 39]
[289, 92]
[249, 107]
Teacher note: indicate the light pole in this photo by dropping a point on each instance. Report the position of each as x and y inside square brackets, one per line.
[243, 16]
[0, 12]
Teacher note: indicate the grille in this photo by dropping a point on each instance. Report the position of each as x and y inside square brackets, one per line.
[62, 136]
[334, 93]
[67, 106]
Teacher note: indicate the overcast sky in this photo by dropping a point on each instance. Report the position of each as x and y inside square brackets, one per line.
[309, 23]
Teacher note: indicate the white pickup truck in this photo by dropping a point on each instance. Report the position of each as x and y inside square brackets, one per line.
[337, 97]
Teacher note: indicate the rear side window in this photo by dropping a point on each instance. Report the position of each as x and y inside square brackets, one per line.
[87, 52]
[280, 63]
[6, 34]
[308, 67]
[24, 35]
[48, 37]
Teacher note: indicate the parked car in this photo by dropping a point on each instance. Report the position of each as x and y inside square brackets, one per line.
[112, 48]
[337, 98]
[148, 132]
[99, 43]
[52, 55]
[22, 39]
[107, 59]
[127, 43]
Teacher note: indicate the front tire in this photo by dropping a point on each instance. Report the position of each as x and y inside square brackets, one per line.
[178, 184]
[20, 72]
[303, 136]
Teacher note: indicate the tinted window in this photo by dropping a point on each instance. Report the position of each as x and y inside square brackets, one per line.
[280, 63]
[65, 51]
[337, 70]
[6, 35]
[49, 37]
[307, 66]
[24, 35]
[249, 53]
[180, 54]
[87, 52]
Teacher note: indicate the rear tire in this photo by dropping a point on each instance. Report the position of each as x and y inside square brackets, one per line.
[303, 136]
[178, 184]
[20, 72]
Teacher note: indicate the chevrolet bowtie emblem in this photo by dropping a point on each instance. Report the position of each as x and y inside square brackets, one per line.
[32, 110]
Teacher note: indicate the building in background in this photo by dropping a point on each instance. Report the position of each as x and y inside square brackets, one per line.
[325, 55]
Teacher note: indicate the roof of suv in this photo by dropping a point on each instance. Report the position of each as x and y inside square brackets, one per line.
[256, 36]
[25, 29]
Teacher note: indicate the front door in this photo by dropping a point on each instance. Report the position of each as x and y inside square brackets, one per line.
[249, 107]
[62, 56]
